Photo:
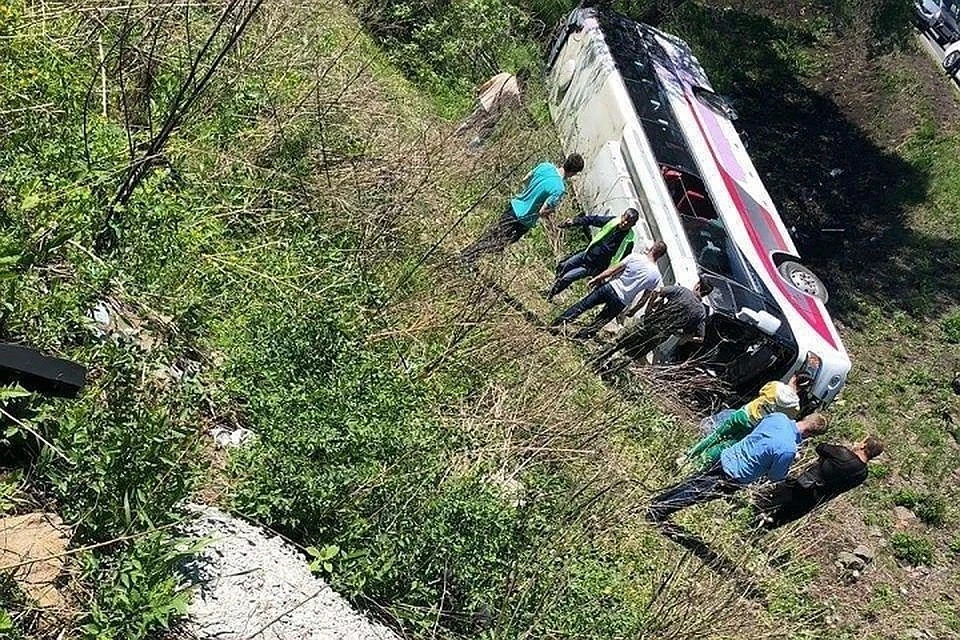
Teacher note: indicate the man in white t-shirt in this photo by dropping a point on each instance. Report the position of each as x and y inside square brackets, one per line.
[625, 285]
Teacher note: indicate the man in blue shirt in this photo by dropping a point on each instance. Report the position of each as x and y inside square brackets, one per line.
[540, 197]
[767, 452]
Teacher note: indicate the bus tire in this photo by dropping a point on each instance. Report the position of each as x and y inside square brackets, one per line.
[803, 279]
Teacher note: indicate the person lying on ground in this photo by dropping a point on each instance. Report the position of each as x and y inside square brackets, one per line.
[838, 469]
[495, 97]
[609, 245]
[542, 194]
[617, 288]
[672, 310]
[774, 397]
[766, 453]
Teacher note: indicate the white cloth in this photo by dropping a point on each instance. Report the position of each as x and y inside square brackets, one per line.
[498, 92]
[640, 274]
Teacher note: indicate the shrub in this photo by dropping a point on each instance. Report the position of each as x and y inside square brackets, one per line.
[878, 470]
[14, 610]
[449, 46]
[951, 327]
[930, 508]
[346, 457]
[131, 451]
[137, 593]
[955, 545]
[911, 549]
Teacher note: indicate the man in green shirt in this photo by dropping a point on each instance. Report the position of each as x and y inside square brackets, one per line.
[541, 196]
[609, 245]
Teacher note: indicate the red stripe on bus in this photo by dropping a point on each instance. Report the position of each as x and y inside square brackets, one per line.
[803, 303]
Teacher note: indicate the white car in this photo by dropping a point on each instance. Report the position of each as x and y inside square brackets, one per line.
[636, 103]
[951, 58]
[939, 18]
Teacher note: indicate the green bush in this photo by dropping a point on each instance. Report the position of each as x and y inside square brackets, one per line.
[878, 470]
[14, 610]
[138, 594]
[930, 508]
[951, 327]
[449, 46]
[912, 549]
[955, 545]
[346, 456]
[131, 450]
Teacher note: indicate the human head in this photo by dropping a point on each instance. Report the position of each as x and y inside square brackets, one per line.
[703, 288]
[870, 448]
[657, 250]
[814, 424]
[572, 165]
[801, 382]
[628, 218]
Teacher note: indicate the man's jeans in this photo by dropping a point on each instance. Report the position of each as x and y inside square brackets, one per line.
[574, 268]
[699, 488]
[605, 295]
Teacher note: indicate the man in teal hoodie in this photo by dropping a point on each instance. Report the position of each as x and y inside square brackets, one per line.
[541, 196]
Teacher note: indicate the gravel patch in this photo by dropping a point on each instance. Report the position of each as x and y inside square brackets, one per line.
[250, 584]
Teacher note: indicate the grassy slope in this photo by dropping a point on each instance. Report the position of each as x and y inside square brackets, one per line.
[401, 406]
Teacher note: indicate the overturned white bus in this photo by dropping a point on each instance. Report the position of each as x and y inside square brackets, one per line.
[636, 103]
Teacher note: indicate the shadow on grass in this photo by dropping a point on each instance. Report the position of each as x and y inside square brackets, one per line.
[847, 198]
[715, 560]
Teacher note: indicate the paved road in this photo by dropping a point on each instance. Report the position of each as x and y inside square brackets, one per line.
[931, 46]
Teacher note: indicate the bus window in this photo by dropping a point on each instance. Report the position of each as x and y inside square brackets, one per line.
[649, 222]
[713, 249]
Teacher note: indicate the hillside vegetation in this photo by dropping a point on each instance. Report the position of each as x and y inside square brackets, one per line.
[267, 197]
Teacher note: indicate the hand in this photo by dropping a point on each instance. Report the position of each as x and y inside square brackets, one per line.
[681, 461]
[594, 282]
[566, 224]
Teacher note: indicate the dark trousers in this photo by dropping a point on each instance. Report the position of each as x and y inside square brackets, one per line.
[602, 295]
[699, 488]
[576, 267]
[787, 501]
[496, 238]
[634, 342]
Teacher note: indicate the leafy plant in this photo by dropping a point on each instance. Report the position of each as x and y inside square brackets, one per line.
[138, 593]
[954, 545]
[15, 612]
[911, 549]
[951, 327]
[930, 508]
[134, 452]
[322, 559]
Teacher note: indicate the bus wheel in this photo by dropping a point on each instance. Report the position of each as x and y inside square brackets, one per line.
[803, 279]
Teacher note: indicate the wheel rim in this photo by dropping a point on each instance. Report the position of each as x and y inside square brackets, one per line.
[805, 282]
[951, 59]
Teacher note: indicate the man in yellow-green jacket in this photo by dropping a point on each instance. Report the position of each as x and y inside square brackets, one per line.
[609, 245]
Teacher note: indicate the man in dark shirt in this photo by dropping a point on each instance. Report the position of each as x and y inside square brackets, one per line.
[609, 245]
[837, 469]
[674, 310]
